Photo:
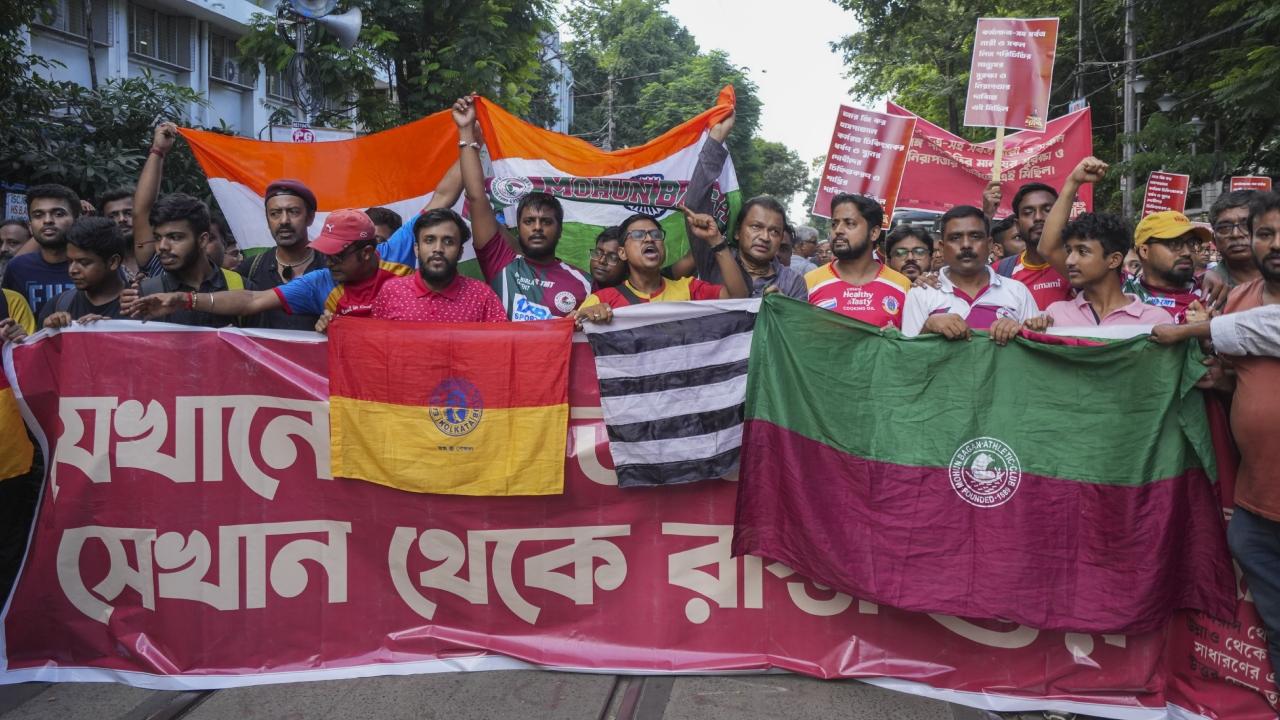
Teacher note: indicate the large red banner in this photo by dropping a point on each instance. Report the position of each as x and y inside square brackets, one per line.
[944, 170]
[1011, 73]
[867, 156]
[190, 536]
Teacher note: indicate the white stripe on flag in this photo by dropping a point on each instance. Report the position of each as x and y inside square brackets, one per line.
[245, 212]
[695, 447]
[645, 407]
[635, 316]
[675, 359]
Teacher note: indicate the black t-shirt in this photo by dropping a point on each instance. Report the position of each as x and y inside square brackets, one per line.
[261, 273]
[78, 307]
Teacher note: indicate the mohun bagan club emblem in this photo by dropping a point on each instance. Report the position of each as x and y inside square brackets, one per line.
[985, 472]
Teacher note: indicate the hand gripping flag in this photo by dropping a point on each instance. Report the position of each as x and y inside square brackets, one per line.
[398, 169]
[599, 188]
[1061, 487]
[457, 408]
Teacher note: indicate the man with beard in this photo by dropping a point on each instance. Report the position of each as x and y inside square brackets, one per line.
[1031, 206]
[909, 250]
[291, 208]
[970, 294]
[535, 284]
[38, 276]
[356, 273]
[1167, 243]
[437, 293]
[607, 269]
[1244, 333]
[14, 233]
[855, 283]
[181, 225]
[1229, 220]
[117, 206]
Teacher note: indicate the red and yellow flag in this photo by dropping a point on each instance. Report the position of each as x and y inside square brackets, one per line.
[455, 408]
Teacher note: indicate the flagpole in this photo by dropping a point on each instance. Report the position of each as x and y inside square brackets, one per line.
[995, 166]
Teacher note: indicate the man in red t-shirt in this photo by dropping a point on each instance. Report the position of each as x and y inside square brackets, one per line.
[1048, 285]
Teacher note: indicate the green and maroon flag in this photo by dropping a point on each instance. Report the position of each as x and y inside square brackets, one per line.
[1061, 487]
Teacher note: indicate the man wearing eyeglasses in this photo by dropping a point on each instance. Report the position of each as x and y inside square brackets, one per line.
[1229, 218]
[607, 268]
[910, 251]
[1167, 242]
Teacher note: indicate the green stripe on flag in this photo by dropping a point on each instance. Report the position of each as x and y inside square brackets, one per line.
[1125, 413]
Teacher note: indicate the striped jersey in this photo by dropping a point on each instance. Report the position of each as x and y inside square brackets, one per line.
[531, 290]
[1047, 285]
[1173, 301]
[877, 303]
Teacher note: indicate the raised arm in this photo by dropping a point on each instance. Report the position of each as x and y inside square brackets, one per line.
[703, 228]
[484, 224]
[1088, 170]
[144, 241]
[449, 189]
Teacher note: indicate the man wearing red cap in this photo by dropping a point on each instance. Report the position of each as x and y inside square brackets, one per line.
[348, 286]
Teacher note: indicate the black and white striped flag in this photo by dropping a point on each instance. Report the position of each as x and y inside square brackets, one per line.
[673, 378]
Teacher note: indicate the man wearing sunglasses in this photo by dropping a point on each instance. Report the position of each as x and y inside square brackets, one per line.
[910, 251]
[1229, 219]
[1167, 243]
[348, 286]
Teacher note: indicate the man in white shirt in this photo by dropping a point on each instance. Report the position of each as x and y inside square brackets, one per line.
[970, 295]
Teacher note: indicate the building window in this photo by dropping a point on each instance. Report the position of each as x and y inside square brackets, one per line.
[278, 85]
[156, 36]
[67, 16]
[225, 63]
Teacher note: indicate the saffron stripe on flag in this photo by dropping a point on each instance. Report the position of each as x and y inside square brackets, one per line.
[673, 380]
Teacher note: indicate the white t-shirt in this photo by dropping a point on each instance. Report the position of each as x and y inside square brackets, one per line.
[1002, 298]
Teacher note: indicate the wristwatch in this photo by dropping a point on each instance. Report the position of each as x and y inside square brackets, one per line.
[717, 248]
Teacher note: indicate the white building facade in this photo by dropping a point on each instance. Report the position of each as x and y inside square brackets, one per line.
[186, 42]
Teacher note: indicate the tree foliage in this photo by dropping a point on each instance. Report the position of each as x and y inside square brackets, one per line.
[917, 53]
[430, 52]
[660, 79]
[88, 140]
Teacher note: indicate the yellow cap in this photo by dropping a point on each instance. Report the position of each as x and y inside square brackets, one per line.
[1166, 225]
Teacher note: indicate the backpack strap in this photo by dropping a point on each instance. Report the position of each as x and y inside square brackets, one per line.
[624, 291]
[62, 303]
[1006, 265]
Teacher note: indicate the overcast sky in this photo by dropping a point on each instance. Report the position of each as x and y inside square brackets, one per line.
[785, 46]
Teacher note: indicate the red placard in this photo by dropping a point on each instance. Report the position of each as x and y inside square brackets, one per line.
[1261, 183]
[945, 170]
[867, 156]
[1165, 191]
[1011, 73]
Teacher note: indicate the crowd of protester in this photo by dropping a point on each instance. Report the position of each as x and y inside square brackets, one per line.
[137, 254]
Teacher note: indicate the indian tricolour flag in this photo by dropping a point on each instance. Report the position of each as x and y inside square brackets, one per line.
[600, 188]
[397, 169]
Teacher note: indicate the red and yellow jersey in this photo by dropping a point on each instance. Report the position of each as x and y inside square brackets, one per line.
[878, 302]
[672, 291]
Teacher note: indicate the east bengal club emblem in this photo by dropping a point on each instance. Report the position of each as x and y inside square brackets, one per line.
[456, 407]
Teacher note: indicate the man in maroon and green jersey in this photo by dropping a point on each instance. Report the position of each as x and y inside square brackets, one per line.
[535, 284]
[1048, 285]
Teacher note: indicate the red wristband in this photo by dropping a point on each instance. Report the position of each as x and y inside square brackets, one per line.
[157, 151]
[191, 301]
